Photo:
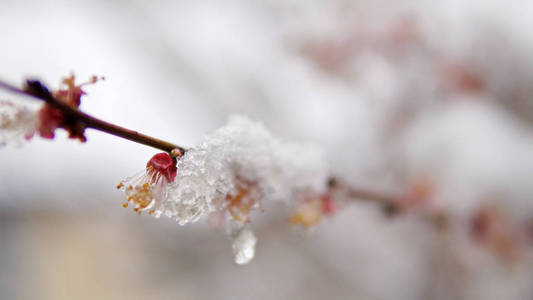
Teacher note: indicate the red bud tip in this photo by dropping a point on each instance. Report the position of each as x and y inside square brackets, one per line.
[163, 164]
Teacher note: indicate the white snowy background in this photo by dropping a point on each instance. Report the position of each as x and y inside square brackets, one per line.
[393, 91]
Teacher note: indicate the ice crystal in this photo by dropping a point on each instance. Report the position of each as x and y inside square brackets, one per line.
[241, 150]
[243, 245]
[17, 123]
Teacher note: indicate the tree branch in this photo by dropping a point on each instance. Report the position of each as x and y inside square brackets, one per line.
[38, 91]
[388, 202]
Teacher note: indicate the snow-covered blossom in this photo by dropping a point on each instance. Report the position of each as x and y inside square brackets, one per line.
[148, 189]
[241, 151]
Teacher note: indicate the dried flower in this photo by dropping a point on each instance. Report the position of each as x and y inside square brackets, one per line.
[51, 118]
[19, 123]
[70, 93]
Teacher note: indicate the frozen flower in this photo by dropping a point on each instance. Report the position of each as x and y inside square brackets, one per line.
[149, 189]
[237, 167]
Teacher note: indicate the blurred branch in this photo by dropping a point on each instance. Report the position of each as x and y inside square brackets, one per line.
[391, 204]
[38, 91]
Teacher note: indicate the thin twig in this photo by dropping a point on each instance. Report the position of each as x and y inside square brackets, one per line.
[38, 91]
[388, 202]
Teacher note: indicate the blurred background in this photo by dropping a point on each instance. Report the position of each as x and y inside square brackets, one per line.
[398, 93]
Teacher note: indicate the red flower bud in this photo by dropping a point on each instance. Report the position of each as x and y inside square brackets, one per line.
[163, 164]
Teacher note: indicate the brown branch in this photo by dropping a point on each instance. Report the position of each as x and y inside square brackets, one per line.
[37, 90]
[388, 202]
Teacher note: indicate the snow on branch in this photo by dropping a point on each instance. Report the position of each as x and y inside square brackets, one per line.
[242, 151]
